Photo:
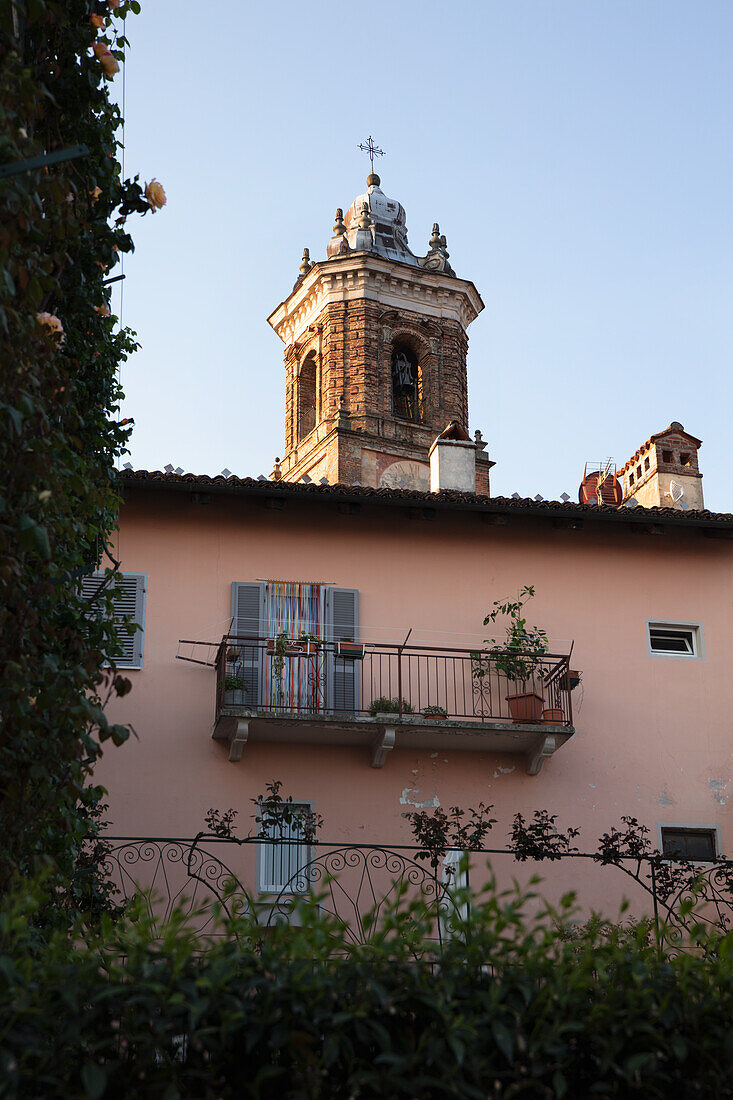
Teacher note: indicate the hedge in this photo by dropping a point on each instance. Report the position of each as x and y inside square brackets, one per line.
[513, 1005]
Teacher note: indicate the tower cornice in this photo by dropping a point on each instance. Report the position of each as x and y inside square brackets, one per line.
[364, 276]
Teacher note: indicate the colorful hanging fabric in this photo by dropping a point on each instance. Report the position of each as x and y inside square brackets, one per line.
[294, 609]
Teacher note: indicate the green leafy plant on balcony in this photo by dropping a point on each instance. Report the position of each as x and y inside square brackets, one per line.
[234, 683]
[518, 655]
[383, 705]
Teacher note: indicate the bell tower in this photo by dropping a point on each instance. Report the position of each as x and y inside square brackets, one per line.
[375, 353]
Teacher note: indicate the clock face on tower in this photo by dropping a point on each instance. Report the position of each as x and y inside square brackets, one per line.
[406, 474]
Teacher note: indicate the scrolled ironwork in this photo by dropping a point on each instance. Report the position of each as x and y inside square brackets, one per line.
[147, 867]
[355, 884]
[358, 904]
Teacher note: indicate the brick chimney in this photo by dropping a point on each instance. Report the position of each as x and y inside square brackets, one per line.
[664, 472]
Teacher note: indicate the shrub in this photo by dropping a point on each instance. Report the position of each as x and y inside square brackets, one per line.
[519, 1005]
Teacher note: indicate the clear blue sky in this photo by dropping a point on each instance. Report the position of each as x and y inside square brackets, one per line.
[577, 154]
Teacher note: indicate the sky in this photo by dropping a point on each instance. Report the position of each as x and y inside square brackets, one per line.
[576, 153]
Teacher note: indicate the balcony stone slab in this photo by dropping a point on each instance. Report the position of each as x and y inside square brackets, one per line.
[381, 734]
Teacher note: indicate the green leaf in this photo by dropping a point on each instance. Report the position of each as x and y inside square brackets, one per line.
[94, 1079]
[559, 1083]
[504, 1040]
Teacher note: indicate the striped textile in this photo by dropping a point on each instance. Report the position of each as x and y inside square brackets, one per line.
[294, 607]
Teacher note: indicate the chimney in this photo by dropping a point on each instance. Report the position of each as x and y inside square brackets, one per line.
[664, 472]
[453, 461]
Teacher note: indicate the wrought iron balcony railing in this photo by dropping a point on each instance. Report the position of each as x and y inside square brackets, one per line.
[426, 683]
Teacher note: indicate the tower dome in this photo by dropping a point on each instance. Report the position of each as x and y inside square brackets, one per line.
[388, 224]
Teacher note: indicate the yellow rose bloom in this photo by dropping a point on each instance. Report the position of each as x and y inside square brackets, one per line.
[155, 195]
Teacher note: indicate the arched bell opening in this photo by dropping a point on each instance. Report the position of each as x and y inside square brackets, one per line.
[307, 396]
[407, 382]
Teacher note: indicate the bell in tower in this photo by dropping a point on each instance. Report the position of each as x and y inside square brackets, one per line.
[375, 353]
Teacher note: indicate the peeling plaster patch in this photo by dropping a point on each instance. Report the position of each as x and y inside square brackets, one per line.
[717, 789]
[592, 785]
[409, 798]
[415, 771]
[433, 755]
[664, 799]
[504, 771]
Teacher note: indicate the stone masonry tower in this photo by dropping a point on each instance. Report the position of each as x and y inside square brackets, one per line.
[375, 354]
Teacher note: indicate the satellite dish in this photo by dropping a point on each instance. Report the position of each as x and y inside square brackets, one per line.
[676, 491]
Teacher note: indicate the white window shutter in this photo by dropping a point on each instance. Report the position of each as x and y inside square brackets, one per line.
[342, 624]
[129, 602]
[248, 621]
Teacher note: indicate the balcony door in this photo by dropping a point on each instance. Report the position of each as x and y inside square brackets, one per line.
[299, 683]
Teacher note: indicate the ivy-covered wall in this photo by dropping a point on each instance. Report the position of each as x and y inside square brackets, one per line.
[62, 232]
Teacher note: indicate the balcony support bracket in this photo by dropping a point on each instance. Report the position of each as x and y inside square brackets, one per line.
[239, 740]
[536, 757]
[381, 745]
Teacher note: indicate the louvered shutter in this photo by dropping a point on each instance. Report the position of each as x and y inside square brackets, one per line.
[129, 607]
[342, 624]
[248, 621]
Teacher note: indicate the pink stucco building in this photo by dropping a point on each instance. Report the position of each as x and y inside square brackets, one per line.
[380, 584]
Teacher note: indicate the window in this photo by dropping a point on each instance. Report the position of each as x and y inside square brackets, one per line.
[646, 464]
[307, 396]
[695, 844]
[129, 601]
[674, 640]
[406, 383]
[667, 456]
[638, 472]
[685, 460]
[631, 479]
[281, 858]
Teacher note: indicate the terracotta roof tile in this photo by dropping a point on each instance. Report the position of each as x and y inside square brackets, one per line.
[410, 497]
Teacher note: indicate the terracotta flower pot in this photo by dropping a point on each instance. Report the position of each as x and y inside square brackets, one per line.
[292, 649]
[553, 716]
[525, 707]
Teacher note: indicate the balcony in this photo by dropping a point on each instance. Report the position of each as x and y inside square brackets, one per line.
[383, 697]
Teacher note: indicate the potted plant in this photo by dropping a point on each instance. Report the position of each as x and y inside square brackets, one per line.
[383, 705]
[349, 651]
[571, 679]
[309, 644]
[553, 716]
[234, 686]
[283, 646]
[434, 712]
[518, 656]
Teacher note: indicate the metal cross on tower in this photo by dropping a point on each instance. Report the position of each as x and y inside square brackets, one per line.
[372, 149]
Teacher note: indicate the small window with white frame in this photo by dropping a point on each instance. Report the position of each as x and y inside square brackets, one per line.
[694, 843]
[674, 639]
[283, 851]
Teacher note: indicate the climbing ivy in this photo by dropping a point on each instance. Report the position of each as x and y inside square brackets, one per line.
[62, 233]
